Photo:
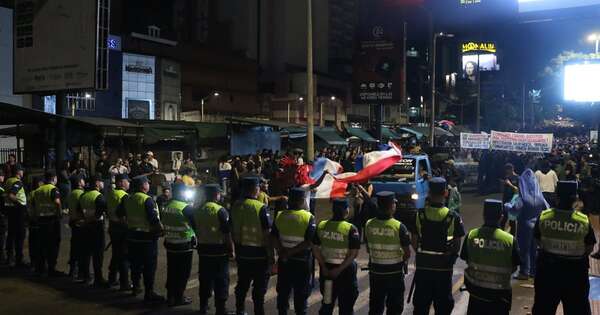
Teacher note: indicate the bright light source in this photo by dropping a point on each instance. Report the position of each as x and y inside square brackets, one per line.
[594, 37]
[188, 194]
[216, 94]
[414, 196]
[88, 95]
[333, 98]
[582, 82]
[301, 98]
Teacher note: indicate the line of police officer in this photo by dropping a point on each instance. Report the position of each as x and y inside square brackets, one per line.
[248, 234]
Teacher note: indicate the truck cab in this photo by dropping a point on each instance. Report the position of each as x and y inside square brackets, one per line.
[408, 179]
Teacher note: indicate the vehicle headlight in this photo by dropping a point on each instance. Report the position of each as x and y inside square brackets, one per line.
[414, 196]
[188, 194]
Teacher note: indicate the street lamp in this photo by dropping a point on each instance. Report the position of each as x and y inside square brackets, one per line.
[214, 94]
[595, 38]
[433, 90]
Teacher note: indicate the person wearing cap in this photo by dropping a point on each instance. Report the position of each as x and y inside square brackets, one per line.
[92, 207]
[75, 223]
[565, 238]
[3, 223]
[150, 159]
[292, 233]
[388, 244]
[143, 230]
[180, 240]
[492, 256]
[437, 242]
[117, 230]
[215, 247]
[15, 207]
[337, 243]
[251, 225]
[46, 215]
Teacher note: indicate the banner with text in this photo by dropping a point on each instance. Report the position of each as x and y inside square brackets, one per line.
[521, 142]
[474, 140]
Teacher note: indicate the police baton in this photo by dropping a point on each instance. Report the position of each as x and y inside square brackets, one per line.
[108, 246]
[412, 290]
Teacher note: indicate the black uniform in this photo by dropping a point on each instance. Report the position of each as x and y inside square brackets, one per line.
[3, 226]
[345, 286]
[16, 214]
[562, 279]
[94, 241]
[433, 277]
[213, 267]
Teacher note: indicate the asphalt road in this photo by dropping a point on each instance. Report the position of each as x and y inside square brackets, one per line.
[21, 293]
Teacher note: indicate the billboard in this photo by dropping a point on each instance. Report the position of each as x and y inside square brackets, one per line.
[581, 82]
[139, 73]
[544, 5]
[378, 55]
[55, 44]
[486, 62]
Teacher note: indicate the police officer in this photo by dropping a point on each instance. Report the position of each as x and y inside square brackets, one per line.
[388, 243]
[180, 240]
[143, 230]
[46, 215]
[215, 246]
[75, 222]
[117, 230]
[34, 229]
[92, 206]
[15, 207]
[254, 254]
[437, 242]
[566, 238]
[337, 243]
[492, 256]
[293, 232]
[3, 223]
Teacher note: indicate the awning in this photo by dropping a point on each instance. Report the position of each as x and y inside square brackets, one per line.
[13, 115]
[438, 131]
[361, 134]
[417, 134]
[157, 131]
[330, 136]
[264, 122]
[105, 122]
[388, 133]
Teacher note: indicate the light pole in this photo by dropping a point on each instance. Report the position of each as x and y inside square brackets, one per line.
[595, 38]
[310, 128]
[215, 94]
[433, 90]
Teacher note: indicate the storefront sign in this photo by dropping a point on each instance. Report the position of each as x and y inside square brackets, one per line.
[474, 141]
[521, 142]
[479, 47]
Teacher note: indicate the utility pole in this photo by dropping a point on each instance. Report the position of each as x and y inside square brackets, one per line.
[310, 140]
[432, 121]
[478, 120]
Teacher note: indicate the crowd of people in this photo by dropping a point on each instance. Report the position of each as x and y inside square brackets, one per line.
[267, 219]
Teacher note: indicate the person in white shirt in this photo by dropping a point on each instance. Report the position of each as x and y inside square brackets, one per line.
[548, 181]
[118, 168]
[177, 161]
[150, 158]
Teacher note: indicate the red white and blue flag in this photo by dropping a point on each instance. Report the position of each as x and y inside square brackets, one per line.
[335, 183]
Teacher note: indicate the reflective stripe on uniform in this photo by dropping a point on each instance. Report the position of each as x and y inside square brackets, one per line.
[291, 241]
[563, 247]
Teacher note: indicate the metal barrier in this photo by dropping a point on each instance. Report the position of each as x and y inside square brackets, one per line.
[5, 152]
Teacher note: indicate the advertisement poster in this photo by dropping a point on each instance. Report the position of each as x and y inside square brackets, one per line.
[474, 141]
[521, 142]
[54, 45]
[378, 55]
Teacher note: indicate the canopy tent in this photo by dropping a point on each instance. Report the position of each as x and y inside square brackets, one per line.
[388, 134]
[438, 131]
[161, 131]
[361, 134]
[264, 122]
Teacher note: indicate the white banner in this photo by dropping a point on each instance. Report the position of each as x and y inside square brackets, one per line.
[474, 141]
[55, 45]
[521, 142]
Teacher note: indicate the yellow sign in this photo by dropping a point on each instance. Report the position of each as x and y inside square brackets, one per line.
[473, 46]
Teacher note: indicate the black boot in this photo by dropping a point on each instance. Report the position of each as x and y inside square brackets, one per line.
[153, 297]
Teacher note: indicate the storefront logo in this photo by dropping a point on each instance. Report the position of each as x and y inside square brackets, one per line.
[473, 46]
[138, 68]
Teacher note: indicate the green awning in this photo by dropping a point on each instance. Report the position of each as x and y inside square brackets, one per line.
[361, 134]
[330, 136]
[388, 133]
[211, 130]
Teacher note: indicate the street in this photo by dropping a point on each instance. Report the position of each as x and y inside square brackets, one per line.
[24, 294]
